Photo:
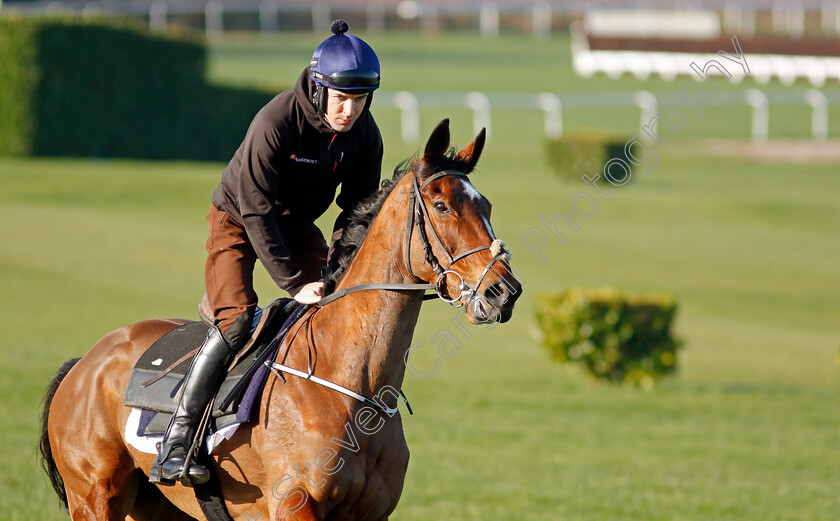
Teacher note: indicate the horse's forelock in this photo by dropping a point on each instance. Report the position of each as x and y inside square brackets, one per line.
[449, 161]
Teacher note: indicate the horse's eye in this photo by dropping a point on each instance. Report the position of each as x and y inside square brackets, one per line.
[441, 207]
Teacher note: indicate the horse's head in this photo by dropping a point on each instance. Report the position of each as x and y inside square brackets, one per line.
[451, 242]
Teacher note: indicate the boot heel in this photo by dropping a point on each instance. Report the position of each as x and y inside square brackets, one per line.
[154, 477]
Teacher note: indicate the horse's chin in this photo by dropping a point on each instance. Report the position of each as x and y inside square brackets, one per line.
[505, 315]
[480, 313]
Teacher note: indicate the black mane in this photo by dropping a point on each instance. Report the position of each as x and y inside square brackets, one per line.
[365, 212]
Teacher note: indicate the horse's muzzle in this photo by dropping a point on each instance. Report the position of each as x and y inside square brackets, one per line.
[495, 303]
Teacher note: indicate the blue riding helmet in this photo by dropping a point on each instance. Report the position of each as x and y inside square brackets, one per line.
[343, 62]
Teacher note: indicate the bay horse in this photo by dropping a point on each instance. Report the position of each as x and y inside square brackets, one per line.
[313, 453]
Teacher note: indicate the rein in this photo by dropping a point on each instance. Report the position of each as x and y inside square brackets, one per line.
[418, 215]
[377, 285]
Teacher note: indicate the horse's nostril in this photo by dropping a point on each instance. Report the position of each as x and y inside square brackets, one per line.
[496, 293]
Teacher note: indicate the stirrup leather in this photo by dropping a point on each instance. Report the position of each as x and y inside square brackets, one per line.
[174, 451]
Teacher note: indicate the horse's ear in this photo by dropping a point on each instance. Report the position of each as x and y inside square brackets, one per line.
[470, 154]
[438, 143]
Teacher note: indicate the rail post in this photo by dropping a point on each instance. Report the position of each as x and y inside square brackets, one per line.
[541, 20]
[409, 116]
[376, 17]
[489, 19]
[321, 18]
[553, 108]
[479, 103]
[157, 16]
[214, 14]
[648, 105]
[819, 114]
[760, 114]
[268, 17]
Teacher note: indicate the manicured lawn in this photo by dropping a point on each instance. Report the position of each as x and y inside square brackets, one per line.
[747, 430]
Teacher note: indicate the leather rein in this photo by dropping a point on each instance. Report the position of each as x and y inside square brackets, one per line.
[418, 215]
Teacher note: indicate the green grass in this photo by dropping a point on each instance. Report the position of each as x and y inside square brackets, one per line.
[747, 430]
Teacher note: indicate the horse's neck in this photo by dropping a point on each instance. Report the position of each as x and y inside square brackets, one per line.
[373, 328]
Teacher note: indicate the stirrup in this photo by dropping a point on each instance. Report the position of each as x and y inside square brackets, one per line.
[201, 476]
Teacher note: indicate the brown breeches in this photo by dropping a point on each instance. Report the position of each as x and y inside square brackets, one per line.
[229, 271]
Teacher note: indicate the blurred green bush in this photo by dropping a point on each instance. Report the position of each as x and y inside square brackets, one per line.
[583, 153]
[71, 87]
[614, 335]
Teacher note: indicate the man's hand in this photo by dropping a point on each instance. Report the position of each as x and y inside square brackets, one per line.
[311, 293]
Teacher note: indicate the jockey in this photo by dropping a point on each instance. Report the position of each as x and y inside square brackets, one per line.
[299, 148]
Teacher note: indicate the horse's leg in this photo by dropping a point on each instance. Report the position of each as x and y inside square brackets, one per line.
[87, 445]
[85, 427]
[105, 494]
[173, 515]
[304, 513]
[151, 505]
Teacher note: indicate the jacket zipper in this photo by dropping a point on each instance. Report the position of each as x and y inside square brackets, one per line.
[329, 150]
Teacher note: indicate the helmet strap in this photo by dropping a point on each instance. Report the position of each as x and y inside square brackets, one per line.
[319, 98]
[369, 101]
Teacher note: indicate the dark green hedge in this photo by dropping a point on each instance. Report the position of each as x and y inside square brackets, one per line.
[617, 336]
[583, 153]
[18, 79]
[70, 87]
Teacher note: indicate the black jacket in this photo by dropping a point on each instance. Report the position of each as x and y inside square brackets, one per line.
[285, 175]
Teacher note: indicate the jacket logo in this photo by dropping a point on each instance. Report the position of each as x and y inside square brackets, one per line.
[297, 159]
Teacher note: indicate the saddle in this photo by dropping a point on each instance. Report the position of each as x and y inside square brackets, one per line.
[156, 378]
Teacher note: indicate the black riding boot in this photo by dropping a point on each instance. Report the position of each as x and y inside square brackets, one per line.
[199, 386]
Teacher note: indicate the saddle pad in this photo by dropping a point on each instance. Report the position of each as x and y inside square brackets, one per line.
[162, 395]
[147, 442]
[151, 423]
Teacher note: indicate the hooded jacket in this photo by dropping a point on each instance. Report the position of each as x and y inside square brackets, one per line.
[285, 174]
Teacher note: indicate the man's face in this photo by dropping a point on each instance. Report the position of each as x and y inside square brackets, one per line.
[344, 108]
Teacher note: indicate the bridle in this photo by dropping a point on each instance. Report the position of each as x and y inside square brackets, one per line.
[418, 215]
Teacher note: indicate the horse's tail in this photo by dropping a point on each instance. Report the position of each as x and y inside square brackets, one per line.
[47, 460]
